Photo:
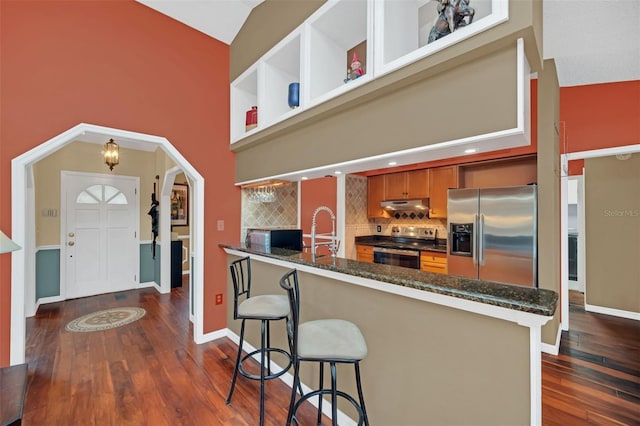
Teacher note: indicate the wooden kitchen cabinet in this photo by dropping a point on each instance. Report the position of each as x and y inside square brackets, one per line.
[375, 195]
[433, 262]
[440, 180]
[364, 253]
[413, 184]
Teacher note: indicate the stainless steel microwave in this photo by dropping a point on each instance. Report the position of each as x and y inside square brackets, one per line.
[266, 239]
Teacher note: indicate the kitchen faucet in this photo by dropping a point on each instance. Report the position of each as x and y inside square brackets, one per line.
[333, 244]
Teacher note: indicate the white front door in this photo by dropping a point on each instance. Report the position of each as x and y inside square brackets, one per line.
[99, 234]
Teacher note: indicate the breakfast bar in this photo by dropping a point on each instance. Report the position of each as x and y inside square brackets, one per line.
[442, 350]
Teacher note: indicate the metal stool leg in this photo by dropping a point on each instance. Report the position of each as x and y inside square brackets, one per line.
[296, 383]
[360, 394]
[262, 366]
[235, 370]
[320, 386]
[334, 395]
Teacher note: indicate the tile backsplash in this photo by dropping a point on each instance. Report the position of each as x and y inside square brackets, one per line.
[357, 223]
[281, 213]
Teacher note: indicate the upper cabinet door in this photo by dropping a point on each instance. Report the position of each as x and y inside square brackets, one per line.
[418, 183]
[395, 186]
[440, 180]
[375, 194]
[403, 185]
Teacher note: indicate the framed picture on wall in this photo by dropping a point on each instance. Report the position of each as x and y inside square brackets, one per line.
[180, 205]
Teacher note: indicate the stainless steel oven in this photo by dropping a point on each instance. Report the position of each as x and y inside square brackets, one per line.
[397, 257]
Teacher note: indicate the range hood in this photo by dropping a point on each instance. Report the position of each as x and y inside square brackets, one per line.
[417, 204]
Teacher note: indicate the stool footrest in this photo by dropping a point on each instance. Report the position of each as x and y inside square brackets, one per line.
[269, 376]
[321, 392]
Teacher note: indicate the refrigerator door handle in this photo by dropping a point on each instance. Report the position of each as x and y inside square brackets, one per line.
[481, 240]
[474, 240]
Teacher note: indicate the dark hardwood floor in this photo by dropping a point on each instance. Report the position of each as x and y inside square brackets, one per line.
[595, 379]
[151, 373]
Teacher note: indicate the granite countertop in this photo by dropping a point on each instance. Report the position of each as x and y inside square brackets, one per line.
[439, 245]
[525, 299]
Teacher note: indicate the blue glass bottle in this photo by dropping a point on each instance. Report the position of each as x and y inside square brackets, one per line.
[294, 95]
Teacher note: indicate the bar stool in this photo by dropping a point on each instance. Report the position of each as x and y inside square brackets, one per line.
[265, 308]
[329, 341]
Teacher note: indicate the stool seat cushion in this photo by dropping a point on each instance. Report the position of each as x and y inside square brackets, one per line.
[331, 339]
[264, 306]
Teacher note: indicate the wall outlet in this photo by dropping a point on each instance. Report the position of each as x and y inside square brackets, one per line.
[220, 225]
[219, 299]
[379, 228]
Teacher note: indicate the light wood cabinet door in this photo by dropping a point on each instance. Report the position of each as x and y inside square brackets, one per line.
[440, 180]
[417, 183]
[403, 185]
[433, 262]
[375, 195]
[395, 186]
[364, 253]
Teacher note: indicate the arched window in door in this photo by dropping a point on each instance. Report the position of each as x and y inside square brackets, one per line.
[95, 194]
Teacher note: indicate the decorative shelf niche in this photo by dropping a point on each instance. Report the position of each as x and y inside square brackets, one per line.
[387, 34]
[281, 68]
[244, 95]
[334, 31]
[403, 28]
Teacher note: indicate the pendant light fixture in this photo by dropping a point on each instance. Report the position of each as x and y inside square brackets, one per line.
[111, 155]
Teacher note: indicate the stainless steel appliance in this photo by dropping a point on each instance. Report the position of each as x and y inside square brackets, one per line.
[493, 234]
[266, 239]
[420, 204]
[398, 257]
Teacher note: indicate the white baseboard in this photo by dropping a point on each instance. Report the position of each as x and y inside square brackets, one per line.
[552, 349]
[613, 312]
[287, 378]
[214, 335]
[45, 300]
[149, 284]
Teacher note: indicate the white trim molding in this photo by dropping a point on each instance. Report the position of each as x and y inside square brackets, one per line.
[555, 348]
[23, 230]
[613, 312]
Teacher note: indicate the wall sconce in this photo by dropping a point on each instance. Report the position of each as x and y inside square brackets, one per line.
[6, 244]
[111, 155]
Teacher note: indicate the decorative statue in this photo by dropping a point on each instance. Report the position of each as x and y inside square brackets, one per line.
[356, 69]
[153, 212]
[451, 14]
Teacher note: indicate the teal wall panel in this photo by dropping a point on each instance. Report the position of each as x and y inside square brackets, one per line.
[149, 267]
[47, 273]
[48, 269]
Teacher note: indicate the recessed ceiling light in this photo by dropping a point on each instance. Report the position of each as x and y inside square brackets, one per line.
[337, 172]
[304, 178]
[470, 151]
[392, 163]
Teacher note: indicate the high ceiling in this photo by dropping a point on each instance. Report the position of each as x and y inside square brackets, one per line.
[592, 41]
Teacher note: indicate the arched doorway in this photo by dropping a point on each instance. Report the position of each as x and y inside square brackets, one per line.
[22, 211]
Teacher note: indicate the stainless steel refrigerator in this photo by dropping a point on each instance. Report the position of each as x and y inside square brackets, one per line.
[493, 234]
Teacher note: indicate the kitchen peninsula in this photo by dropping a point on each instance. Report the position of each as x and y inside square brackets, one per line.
[442, 349]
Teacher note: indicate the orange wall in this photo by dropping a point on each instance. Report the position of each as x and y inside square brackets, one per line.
[122, 65]
[313, 194]
[600, 115]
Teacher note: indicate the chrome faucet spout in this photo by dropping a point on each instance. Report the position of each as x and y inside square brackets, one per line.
[333, 245]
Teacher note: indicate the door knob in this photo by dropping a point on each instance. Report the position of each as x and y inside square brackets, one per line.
[71, 243]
